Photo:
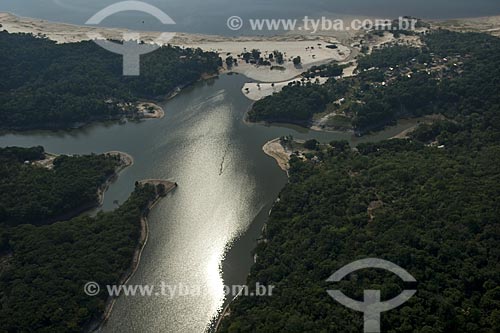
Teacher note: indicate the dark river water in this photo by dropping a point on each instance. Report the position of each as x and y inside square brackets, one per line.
[202, 234]
[210, 16]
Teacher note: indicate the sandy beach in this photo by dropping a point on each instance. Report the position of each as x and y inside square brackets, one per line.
[274, 149]
[311, 48]
[150, 110]
[311, 51]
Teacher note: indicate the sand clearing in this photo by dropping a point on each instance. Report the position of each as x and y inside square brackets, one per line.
[312, 52]
[47, 162]
[349, 71]
[150, 110]
[307, 47]
[275, 149]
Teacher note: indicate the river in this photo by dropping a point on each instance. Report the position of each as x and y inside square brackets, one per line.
[202, 234]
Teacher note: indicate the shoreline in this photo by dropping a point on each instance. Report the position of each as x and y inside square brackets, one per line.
[224, 313]
[136, 259]
[260, 90]
[142, 113]
[427, 120]
[95, 120]
[126, 161]
[275, 149]
[150, 110]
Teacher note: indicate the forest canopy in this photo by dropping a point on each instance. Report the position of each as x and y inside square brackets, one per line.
[44, 263]
[428, 204]
[34, 194]
[49, 85]
[41, 284]
[454, 74]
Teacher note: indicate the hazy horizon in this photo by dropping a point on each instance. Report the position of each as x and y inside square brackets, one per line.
[210, 16]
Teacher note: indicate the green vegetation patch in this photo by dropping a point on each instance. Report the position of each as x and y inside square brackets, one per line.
[49, 85]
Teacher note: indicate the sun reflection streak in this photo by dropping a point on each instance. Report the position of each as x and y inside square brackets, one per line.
[215, 284]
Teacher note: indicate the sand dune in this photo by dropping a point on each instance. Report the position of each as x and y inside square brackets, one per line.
[310, 48]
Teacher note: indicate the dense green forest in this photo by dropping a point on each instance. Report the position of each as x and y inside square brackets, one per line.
[49, 85]
[388, 56]
[41, 285]
[298, 100]
[429, 204]
[398, 81]
[438, 219]
[43, 267]
[31, 193]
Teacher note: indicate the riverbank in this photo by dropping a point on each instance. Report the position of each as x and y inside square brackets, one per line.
[256, 91]
[118, 118]
[143, 239]
[428, 120]
[126, 161]
[275, 149]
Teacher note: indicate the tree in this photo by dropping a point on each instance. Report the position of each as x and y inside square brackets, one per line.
[247, 56]
[311, 144]
[279, 57]
[161, 190]
[256, 54]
